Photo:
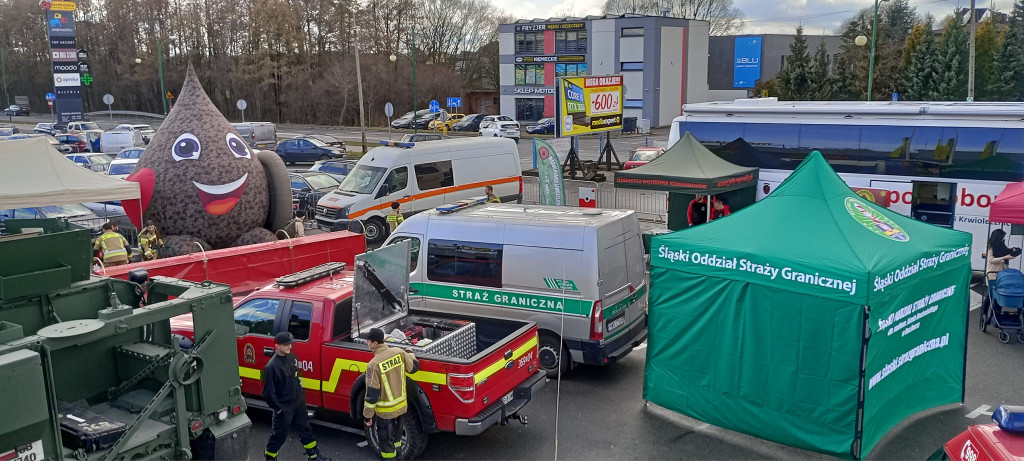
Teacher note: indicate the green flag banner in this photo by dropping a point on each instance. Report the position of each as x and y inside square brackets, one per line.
[549, 169]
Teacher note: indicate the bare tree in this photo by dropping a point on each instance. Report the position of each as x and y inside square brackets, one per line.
[725, 18]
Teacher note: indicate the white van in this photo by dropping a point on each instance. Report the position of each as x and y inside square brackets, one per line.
[535, 263]
[420, 176]
[113, 142]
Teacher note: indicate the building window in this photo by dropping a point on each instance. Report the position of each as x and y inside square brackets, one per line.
[632, 66]
[529, 74]
[571, 41]
[529, 42]
[632, 31]
[570, 70]
[529, 109]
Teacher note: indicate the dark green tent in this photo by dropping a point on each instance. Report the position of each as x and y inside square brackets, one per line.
[812, 318]
[688, 167]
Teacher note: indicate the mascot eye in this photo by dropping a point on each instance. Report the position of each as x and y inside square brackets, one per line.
[186, 147]
[238, 147]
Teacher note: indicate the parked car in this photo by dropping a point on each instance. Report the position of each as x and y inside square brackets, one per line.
[447, 122]
[45, 128]
[146, 130]
[75, 213]
[113, 142]
[642, 155]
[497, 118]
[97, 162]
[130, 153]
[500, 129]
[259, 135]
[308, 187]
[324, 138]
[423, 137]
[543, 126]
[16, 110]
[338, 169]
[90, 132]
[75, 141]
[423, 121]
[306, 150]
[470, 122]
[9, 130]
[62, 148]
[121, 168]
[405, 121]
[77, 127]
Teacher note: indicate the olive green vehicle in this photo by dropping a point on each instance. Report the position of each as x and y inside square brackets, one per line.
[89, 369]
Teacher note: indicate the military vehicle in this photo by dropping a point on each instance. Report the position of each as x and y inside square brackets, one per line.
[89, 368]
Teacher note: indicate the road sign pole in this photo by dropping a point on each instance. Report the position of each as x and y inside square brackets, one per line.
[359, 85]
[243, 115]
[160, 69]
[110, 111]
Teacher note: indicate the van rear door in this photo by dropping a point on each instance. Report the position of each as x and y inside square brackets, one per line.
[617, 293]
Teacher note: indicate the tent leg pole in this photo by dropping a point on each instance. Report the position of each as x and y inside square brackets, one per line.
[858, 431]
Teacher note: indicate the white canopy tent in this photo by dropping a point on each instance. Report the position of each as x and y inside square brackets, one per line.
[34, 174]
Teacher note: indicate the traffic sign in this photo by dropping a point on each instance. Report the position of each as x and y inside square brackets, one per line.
[895, 96]
[50, 96]
[435, 106]
[454, 102]
[108, 99]
[241, 104]
[389, 110]
[50, 103]
[87, 79]
[170, 95]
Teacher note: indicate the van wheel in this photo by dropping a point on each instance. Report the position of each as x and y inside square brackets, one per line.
[553, 355]
[374, 230]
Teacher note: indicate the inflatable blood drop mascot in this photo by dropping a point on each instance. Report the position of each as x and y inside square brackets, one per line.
[201, 182]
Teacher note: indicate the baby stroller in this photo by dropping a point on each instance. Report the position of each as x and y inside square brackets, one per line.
[1002, 306]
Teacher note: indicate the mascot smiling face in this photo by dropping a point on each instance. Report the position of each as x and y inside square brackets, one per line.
[202, 179]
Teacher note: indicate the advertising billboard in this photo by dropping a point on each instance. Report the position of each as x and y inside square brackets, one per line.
[64, 59]
[588, 104]
[747, 62]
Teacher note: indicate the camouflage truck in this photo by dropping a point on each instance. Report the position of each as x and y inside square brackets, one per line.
[89, 368]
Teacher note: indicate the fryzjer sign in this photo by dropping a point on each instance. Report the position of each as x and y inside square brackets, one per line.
[543, 27]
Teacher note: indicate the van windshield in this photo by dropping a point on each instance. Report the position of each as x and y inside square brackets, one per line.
[363, 179]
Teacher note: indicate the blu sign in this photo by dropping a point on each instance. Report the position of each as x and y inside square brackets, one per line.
[747, 65]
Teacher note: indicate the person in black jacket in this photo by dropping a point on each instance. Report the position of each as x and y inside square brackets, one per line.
[283, 392]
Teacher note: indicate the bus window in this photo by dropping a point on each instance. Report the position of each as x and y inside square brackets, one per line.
[780, 138]
[977, 143]
[882, 142]
[711, 134]
[930, 144]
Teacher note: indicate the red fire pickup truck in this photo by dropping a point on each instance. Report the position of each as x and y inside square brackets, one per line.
[489, 384]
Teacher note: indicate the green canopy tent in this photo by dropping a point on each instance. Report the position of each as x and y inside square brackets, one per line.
[688, 169]
[812, 318]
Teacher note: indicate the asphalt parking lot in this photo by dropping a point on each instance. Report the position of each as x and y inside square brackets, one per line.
[601, 415]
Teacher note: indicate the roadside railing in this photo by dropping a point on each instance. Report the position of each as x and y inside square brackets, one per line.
[649, 205]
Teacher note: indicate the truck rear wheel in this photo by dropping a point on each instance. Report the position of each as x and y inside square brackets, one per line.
[553, 355]
[414, 438]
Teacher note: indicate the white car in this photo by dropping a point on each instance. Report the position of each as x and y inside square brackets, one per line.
[146, 130]
[500, 129]
[497, 118]
[121, 168]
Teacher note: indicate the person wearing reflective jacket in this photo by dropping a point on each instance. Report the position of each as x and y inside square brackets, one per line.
[385, 401]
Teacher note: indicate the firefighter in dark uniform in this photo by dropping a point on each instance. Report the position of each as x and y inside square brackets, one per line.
[385, 391]
[283, 392]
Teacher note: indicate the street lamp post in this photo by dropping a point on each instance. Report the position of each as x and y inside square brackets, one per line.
[871, 59]
[160, 68]
[3, 67]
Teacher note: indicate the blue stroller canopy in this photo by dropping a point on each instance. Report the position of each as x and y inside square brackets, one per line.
[1008, 288]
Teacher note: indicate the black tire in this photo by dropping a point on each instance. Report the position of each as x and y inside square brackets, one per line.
[1020, 336]
[375, 230]
[1004, 337]
[414, 438]
[280, 189]
[553, 355]
[325, 157]
[983, 315]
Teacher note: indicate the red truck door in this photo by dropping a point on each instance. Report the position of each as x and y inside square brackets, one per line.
[298, 319]
[255, 322]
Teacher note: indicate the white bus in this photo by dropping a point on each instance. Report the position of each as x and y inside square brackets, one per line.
[941, 162]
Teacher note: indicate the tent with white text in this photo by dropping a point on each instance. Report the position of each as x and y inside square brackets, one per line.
[813, 318]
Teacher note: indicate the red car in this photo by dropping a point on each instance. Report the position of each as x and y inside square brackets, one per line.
[76, 142]
[996, 442]
[642, 155]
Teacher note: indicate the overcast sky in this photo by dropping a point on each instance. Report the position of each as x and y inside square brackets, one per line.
[779, 16]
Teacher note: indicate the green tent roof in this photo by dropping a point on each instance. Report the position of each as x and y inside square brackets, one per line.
[688, 167]
[812, 235]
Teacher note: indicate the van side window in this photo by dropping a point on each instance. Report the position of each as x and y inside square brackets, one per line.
[397, 179]
[434, 175]
[468, 263]
[414, 250]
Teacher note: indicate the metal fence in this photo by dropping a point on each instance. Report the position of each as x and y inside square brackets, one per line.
[649, 205]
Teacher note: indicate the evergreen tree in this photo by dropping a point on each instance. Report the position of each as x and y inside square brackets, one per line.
[986, 44]
[794, 78]
[953, 57]
[840, 84]
[913, 41]
[1008, 66]
[819, 75]
[920, 79]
